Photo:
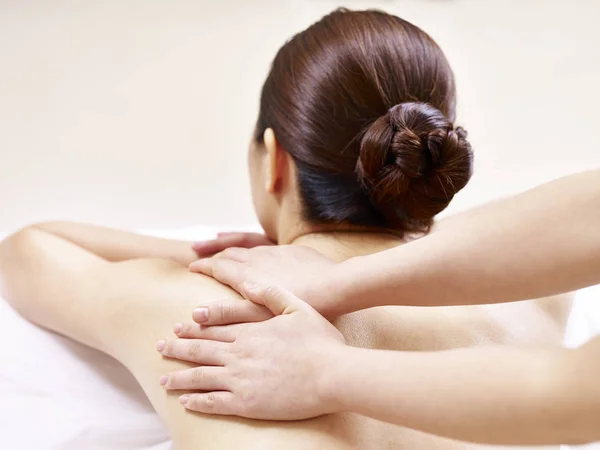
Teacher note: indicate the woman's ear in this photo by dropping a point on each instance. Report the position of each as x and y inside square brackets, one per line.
[276, 163]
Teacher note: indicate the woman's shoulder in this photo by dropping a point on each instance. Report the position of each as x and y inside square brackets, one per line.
[196, 282]
[173, 275]
[157, 287]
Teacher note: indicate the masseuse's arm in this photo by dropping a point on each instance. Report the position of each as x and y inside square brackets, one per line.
[542, 242]
[493, 394]
[539, 243]
[117, 245]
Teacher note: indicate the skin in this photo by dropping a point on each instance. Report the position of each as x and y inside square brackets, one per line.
[497, 394]
[230, 239]
[118, 292]
[518, 396]
[541, 242]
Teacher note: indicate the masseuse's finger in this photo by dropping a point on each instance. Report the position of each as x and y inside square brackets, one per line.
[220, 402]
[234, 254]
[226, 271]
[228, 312]
[204, 266]
[224, 333]
[230, 239]
[277, 299]
[247, 240]
[208, 248]
[198, 351]
[205, 378]
[212, 246]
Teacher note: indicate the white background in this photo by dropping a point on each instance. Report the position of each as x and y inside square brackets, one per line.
[137, 113]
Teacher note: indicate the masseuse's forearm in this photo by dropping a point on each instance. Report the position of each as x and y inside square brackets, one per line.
[118, 245]
[494, 395]
[542, 242]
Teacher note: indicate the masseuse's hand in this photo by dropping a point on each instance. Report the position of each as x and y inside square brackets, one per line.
[230, 239]
[276, 369]
[301, 270]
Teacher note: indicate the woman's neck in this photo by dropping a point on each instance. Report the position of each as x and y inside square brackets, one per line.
[342, 245]
[338, 242]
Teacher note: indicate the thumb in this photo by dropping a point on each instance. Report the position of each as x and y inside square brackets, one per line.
[277, 299]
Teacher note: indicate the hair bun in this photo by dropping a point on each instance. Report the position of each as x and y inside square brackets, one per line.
[412, 162]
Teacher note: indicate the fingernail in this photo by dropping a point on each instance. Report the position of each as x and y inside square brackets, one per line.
[163, 380]
[177, 328]
[160, 345]
[200, 314]
[184, 399]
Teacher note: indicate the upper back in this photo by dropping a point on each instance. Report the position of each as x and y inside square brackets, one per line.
[415, 329]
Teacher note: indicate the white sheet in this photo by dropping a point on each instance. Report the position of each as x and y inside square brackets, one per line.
[56, 394]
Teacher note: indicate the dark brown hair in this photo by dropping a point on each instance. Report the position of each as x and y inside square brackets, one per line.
[364, 102]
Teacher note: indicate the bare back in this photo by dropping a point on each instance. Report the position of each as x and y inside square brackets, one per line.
[397, 328]
[123, 308]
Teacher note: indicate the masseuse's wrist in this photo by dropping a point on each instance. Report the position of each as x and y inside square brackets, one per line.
[380, 279]
[345, 290]
[333, 295]
[335, 388]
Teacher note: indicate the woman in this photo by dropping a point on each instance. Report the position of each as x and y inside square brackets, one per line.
[354, 152]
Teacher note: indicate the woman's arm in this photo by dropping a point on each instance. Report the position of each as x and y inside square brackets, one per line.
[119, 308]
[119, 245]
[51, 281]
[60, 285]
[542, 242]
[68, 289]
